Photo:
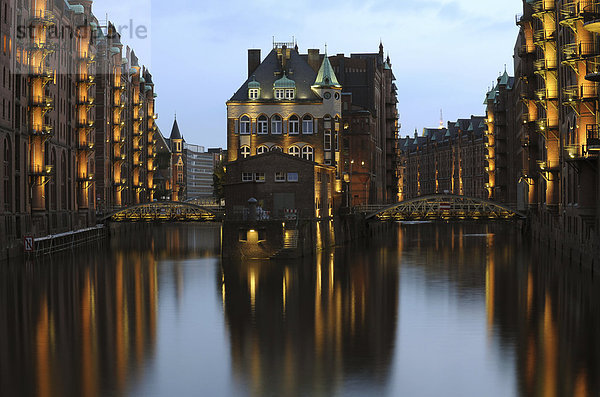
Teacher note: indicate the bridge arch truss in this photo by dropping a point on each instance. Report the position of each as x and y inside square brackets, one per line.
[163, 211]
[445, 207]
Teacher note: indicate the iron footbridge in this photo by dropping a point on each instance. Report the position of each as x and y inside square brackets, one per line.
[444, 207]
[163, 211]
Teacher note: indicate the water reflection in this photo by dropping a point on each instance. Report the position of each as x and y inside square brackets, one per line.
[305, 328]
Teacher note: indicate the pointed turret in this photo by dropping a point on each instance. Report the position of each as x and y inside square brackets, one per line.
[175, 134]
[326, 77]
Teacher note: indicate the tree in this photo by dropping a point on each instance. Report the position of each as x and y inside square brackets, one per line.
[219, 181]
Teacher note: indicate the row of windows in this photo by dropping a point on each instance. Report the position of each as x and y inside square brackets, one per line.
[280, 93]
[307, 152]
[260, 177]
[262, 125]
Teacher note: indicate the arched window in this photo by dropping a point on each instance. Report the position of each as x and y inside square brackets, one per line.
[262, 149]
[276, 148]
[294, 151]
[245, 151]
[308, 153]
[276, 124]
[245, 125]
[262, 125]
[294, 124]
[307, 124]
[7, 170]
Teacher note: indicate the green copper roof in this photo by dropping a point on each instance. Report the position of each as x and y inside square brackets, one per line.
[504, 79]
[284, 82]
[254, 83]
[326, 76]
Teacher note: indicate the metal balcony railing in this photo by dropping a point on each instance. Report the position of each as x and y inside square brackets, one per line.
[42, 101]
[543, 6]
[593, 138]
[579, 92]
[591, 12]
[542, 35]
[42, 170]
[546, 94]
[45, 17]
[578, 51]
[571, 10]
[42, 130]
[545, 64]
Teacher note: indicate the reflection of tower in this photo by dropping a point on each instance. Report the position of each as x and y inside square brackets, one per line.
[290, 325]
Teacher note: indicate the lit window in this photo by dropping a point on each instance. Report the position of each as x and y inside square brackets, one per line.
[289, 94]
[307, 153]
[259, 177]
[247, 177]
[307, 125]
[262, 125]
[280, 177]
[292, 177]
[327, 142]
[253, 93]
[279, 93]
[294, 125]
[276, 124]
[245, 151]
[245, 125]
[294, 151]
[262, 149]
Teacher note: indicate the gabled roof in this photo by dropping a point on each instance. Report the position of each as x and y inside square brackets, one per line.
[297, 70]
[326, 77]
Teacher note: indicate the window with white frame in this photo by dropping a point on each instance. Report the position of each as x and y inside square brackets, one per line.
[327, 137]
[308, 153]
[262, 125]
[245, 125]
[294, 124]
[307, 124]
[259, 177]
[292, 177]
[245, 151]
[294, 151]
[253, 93]
[279, 93]
[262, 149]
[280, 177]
[290, 93]
[276, 124]
[247, 177]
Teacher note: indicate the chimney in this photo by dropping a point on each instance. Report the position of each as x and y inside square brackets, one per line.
[314, 60]
[253, 61]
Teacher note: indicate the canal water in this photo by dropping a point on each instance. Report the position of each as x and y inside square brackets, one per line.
[429, 310]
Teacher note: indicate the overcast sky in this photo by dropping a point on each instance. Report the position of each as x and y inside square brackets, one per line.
[445, 53]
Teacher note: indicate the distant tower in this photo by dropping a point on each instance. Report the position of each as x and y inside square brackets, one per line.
[441, 119]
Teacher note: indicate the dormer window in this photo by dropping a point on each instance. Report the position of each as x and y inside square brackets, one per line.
[284, 88]
[253, 89]
[253, 93]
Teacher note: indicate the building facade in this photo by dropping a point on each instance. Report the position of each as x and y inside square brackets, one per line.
[290, 103]
[200, 165]
[370, 126]
[63, 80]
[448, 160]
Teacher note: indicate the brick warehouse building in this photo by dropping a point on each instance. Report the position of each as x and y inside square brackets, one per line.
[290, 103]
[445, 160]
[370, 126]
[60, 88]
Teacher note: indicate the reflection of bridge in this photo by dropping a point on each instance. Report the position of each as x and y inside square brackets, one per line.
[442, 207]
[163, 211]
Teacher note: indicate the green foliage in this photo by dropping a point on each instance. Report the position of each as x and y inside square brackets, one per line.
[219, 180]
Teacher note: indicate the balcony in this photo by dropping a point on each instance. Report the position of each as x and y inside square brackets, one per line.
[593, 138]
[85, 102]
[540, 66]
[579, 51]
[582, 92]
[45, 47]
[119, 87]
[540, 37]
[42, 17]
[89, 79]
[42, 101]
[86, 57]
[85, 178]
[546, 165]
[525, 50]
[120, 158]
[42, 130]
[545, 124]
[544, 94]
[43, 71]
[570, 11]
[591, 17]
[541, 7]
[85, 124]
[85, 146]
[42, 170]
